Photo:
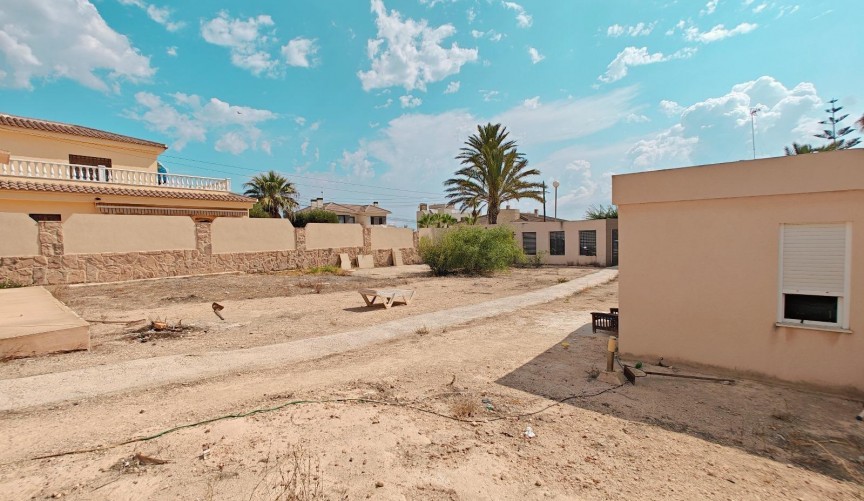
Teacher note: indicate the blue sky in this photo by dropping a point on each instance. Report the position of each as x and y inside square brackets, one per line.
[370, 100]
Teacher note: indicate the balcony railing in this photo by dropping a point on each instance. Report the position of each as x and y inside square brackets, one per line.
[90, 174]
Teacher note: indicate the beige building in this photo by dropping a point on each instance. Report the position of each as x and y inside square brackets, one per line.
[448, 209]
[572, 243]
[365, 215]
[753, 266]
[52, 170]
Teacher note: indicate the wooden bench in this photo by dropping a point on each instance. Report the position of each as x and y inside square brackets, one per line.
[388, 296]
[605, 321]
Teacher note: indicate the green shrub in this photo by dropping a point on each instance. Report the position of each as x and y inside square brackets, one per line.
[258, 211]
[471, 250]
[534, 261]
[301, 219]
[328, 269]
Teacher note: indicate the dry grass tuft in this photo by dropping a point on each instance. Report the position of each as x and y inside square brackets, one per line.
[464, 407]
[593, 372]
[422, 331]
[296, 476]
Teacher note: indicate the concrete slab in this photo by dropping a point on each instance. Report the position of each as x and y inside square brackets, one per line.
[344, 261]
[365, 261]
[33, 322]
[397, 257]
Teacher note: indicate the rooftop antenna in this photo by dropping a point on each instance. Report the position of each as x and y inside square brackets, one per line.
[753, 112]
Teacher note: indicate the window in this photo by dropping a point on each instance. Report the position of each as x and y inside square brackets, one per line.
[814, 274]
[556, 243]
[45, 217]
[588, 243]
[379, 219]
[529, 242]
[346, 219]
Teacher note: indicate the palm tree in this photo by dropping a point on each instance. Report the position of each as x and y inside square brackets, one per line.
[428, 220]
[493, 172]
[601, 212]
[446, 220]
[803, 149]
[274, 192]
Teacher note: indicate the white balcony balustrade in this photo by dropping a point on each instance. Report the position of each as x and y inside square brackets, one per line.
[106, 175]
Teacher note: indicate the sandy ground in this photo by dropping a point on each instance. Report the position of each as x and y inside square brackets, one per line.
[661, 439]
[259, 310]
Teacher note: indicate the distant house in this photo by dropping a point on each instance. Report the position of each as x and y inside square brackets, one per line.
[52, 170]
[366, 215]
[509, 215]
[448, 209]
[754, 266]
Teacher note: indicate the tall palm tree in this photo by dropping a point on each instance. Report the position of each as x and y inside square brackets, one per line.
[274, 192]
[493, 172]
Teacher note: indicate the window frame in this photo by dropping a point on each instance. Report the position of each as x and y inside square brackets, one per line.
[583, 252]
[843, 301]
[534, 233]
[563, 243]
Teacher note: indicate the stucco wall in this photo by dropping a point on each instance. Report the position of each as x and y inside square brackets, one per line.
[251, 235]
[27, 205]
[19, 235]
[52, 147]
[571, 240]
[391, 238]
[100, 233]
[700, 282]
[328, 236]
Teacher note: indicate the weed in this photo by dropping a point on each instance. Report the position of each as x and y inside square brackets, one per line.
[563, 280]
[324, 270]
[593, 372]
[297, 477]
[8, 283]
[464, 407]
[422, 331]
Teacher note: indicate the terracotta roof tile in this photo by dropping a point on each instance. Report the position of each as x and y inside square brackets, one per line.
[73, 130]
[101, 189]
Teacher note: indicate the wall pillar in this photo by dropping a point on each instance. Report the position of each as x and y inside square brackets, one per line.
[203, 237]
[367, 240]
[300, 239]
[50, 238]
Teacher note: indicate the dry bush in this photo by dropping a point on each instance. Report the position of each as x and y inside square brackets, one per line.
[422, 331]
[593, 372]
[464, 407]
[563, 280]
[297, 476]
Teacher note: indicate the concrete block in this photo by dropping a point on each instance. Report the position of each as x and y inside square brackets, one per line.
[614, 378]
[344, 261]
[33, 322]
[365, 261]
[397, 257]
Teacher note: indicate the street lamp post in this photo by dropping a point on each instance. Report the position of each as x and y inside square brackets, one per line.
[556, 184]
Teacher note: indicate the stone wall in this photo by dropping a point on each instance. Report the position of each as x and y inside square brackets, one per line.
[53, 267]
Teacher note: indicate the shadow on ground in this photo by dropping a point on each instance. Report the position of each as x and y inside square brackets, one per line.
[812, 430]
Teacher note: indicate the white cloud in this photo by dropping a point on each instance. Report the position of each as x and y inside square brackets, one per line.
[247, 40]
[301, 121]
[717, 33]
[161, 15]
[635, 118]
[386, 104]
[304, 147]
[489, 95]
[523, 19]
[188, 120]
[171, 51]
[231, 142]
[298, 52]
[410, 53]
[679, 26]
[50, 39]
[452, 87]
[532, 103]
[535, 54]
[491, 35]
[471, 15]
[357, 163]
[410, 101]
[670, 108]
[633, 56]
[640, 29]
[718, 129]
[759, 8]
[710, 7]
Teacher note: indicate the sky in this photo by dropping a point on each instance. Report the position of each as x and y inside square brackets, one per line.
[370, 100]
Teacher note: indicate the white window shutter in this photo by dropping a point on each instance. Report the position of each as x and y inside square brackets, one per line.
[814, 259]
